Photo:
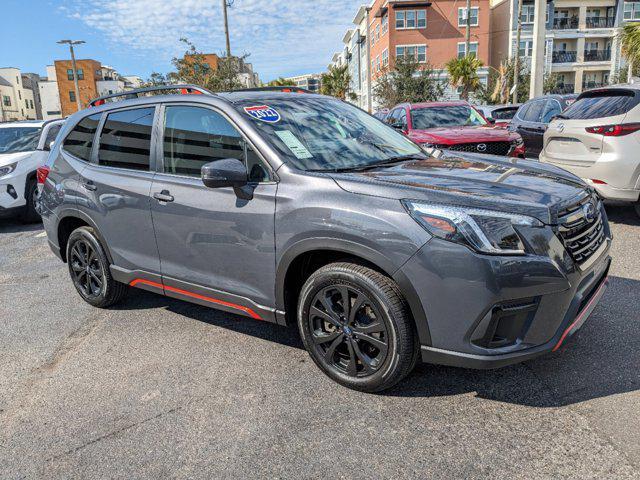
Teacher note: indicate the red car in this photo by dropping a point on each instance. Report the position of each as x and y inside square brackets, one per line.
[454, 126]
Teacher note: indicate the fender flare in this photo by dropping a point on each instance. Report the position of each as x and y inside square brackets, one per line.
[73, 213]
[366, 253]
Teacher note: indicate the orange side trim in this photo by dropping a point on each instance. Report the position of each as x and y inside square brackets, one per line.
[186, 293]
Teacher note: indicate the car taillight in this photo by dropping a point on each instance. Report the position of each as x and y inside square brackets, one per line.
[614, 130]
[42, 173]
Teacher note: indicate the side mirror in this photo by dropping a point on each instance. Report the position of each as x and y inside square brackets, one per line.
[227, 172]
[49, 146]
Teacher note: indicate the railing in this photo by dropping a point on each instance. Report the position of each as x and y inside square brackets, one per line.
[590, 85]
[600, 22]
[597, 55]
[565, 23]
[563, 88]
[564, 56]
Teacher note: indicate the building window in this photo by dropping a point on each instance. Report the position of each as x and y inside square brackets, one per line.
[419, 52]
[31, 102]
[26, 102]
[385, 57]
[473, 49]
[377, 32]
[526, 47]
[80, 74]
[527, 14]
[409, 19]
[462, 17]
[6, 100]
[72, 96]
[19, 95]
[632, 10]
[385, 24]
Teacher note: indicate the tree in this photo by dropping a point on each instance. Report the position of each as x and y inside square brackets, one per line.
[193, 68]
[630, 41]
[463, 73]
[336, 82]
[408, 81]
[500, 83]
[281, 82]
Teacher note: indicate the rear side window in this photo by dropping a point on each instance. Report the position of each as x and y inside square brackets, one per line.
[534, 112]
[503, 113]
[607, 103]
[79, 142]
[125, 141]
[522, 111]
[553, 109]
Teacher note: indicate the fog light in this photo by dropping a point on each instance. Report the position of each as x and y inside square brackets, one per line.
[12, 191]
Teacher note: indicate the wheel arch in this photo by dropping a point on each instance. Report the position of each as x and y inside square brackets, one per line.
[306, 256]
[71, 220]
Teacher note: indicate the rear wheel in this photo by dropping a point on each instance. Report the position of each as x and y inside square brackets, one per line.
[30, 213]
[356, 326]
[89, 270]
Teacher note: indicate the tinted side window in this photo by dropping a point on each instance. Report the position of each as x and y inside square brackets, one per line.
[553, 108]
[80, 140]
[125, 140]
[522, 111]
[534, 113]
[601, 104]
[194, 136]
[403, 118]
[503, 113]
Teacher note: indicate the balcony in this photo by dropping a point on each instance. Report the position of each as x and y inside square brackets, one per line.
[564, 56]
[570, 23]
[597, 55]
[600, 22]
[563, 88]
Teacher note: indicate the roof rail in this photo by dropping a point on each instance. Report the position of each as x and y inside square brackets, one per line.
[138, 92]
[283, 88]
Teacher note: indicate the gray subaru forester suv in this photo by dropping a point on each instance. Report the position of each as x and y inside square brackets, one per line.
[300, 208]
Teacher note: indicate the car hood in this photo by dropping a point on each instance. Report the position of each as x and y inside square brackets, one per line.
[453, 135]
[8, 158]
[471, 180]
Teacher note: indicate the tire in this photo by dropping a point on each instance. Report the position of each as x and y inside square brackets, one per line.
[89, 270]
[637, 208]
[30, 214]
[369, 347]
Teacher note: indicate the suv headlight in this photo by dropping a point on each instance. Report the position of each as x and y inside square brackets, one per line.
[7, 169]
[486, 231]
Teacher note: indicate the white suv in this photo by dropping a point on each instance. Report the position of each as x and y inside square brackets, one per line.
[24, 146]
[598, 139]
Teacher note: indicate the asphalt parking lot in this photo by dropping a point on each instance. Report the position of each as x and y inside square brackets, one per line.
[158, 388]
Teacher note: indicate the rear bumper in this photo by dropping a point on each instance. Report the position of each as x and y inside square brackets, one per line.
[616, 194]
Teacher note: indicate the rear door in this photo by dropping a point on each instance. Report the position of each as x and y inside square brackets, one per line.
[530, 126]
[115, 186]
[570, 142]
[216, 247]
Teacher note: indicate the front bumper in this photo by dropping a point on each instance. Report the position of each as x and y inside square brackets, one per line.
[488, 311]
[12, 191]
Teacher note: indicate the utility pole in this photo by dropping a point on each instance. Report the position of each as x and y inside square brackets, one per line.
[516, 56]
[467, 40]
[539, 40]
[225, 4]
[71, 43]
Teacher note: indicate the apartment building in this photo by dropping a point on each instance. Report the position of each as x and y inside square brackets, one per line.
[309, 81]
[50, 95]
[581, 47]
[16, 101]
[89, 72]
[30, 81]
[431, 32]
[247, 77]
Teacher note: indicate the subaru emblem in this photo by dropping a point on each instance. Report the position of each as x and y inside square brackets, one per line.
[482, 147]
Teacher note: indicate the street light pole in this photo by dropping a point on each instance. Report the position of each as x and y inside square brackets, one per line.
[225, 4]
[516, 56]
[467, 40]
[71, 43]
[539, 39]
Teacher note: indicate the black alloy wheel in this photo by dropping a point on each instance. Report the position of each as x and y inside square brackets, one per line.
[348, 331]
[87, 272]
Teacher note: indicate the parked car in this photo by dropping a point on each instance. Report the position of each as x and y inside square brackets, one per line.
[303, 209]
[598, 139]
[454, 126]
[381, 114]
[532, 118]
[499, 115]
[24, 147]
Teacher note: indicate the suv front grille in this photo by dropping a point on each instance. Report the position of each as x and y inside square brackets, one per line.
[490, 148]
[582, 232]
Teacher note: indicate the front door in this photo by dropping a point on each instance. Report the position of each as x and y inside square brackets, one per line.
[216, 247]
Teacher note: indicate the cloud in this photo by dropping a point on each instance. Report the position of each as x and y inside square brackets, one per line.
[282, 37]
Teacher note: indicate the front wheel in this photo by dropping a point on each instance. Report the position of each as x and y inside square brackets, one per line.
[89, 270]
[356, 326]
[30, 213]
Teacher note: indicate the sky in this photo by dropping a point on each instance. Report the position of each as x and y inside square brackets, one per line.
[137, 37]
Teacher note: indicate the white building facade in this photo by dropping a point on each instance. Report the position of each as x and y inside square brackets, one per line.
[16, 101]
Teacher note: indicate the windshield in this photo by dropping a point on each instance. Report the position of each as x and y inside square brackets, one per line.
[18, 139]
[445, 116]
[323, 134]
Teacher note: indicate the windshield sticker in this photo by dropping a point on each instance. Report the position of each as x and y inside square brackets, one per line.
[264, 113]
[295, 145]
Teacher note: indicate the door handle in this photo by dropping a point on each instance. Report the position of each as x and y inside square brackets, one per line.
[163, 196]
[89, 185]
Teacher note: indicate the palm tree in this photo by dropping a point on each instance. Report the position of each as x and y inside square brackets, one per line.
[336, 82]
[463, 72]
[282, 82]
[630, 40]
